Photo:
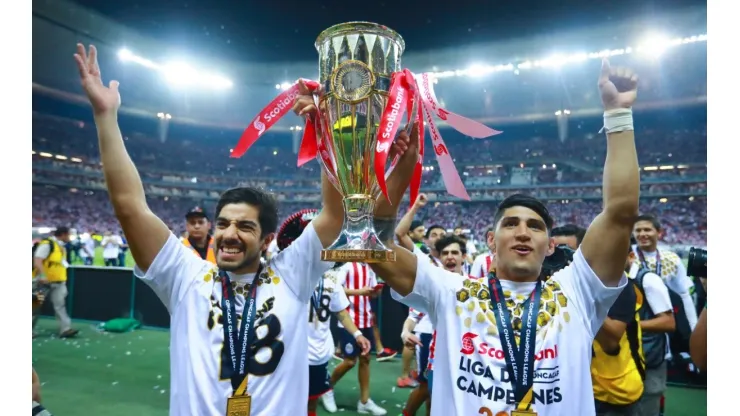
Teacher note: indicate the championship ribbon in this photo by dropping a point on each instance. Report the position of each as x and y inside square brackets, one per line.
[406, 90]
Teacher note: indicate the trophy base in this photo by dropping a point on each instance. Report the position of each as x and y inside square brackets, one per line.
[358, 241]
[359, 256]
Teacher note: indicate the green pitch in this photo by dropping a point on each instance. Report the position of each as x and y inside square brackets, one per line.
[128, 374]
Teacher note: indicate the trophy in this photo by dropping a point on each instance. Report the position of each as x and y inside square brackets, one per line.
[356, 63]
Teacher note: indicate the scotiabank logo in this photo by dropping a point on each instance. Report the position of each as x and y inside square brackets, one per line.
[467, 343]
[486, 350]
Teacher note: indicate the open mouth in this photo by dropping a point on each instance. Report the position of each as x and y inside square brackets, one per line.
[227, 253]
[450, 266]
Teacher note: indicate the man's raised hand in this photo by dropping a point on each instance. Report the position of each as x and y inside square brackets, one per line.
[103, 99]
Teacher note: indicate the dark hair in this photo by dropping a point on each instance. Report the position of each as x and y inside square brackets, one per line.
[434, 227]
[60, 231]
[446, 241]
[569, 230]
[489, 230]
[265, 202]
[415, 224]
[651, 219]
[526, 201]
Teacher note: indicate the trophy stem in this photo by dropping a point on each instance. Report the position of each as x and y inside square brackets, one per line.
[358, 241]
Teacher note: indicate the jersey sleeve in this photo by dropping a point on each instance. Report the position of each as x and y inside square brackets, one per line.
[300, 264]
[433, 288]
[684, 287]
[173, 272]
[339, 300]
[42, 250]
[588, 295]
[624, 307]
[415, 315]
[656, 293]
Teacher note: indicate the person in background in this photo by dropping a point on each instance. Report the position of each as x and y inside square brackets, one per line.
[198, 234]
[698, 345]
[123, 251]
[50, 269]
[569, 235]
[87, 248]
[483, 261]
[111, 249]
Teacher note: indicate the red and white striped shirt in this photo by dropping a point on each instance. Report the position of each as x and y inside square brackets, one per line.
[358, 276]
[481, 265]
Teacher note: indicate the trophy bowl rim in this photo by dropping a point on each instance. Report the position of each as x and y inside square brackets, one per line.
[351, 27]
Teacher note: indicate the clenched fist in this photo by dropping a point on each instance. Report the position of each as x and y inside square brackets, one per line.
[618, 87]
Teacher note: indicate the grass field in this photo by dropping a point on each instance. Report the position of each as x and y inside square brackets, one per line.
[128, 374]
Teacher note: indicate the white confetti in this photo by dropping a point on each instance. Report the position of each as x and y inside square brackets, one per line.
[393, 389]
[162, 391]
[114, 383]
[109, 365]
[156, 387]
[159, 376]
[382, 402]
[128, 352]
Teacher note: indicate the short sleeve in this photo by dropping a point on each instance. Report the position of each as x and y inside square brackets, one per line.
[339, 300]
[300, 264]
[476, 270]
[624, 307]
[42, 250]
[173, 272]
[433, 287]
[656, 293]
[589, 296]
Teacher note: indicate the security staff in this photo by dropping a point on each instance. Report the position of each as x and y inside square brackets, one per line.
[199, 238]
[50, 269]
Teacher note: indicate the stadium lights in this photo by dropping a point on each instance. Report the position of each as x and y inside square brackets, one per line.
[296, 128]
[44, 154]
[75, 159]
[164, 116]
[180, 74]
[60, 157]
[563, 112]
[649, 45]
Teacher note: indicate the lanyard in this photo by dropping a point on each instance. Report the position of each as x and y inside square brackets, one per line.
[658, 264]
[238, 342]
[519, 359]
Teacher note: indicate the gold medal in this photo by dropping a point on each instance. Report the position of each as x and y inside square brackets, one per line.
[239, 405]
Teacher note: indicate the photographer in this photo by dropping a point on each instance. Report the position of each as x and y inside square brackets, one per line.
[698, 344]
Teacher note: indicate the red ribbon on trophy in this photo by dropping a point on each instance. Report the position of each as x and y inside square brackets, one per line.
[406, 89]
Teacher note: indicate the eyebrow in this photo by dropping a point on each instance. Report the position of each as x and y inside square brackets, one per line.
[528, 221]
[238, 222]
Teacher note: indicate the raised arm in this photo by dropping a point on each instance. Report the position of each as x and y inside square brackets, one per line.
[401, 274]
[146, 233]
[404, 226]
[607, 239]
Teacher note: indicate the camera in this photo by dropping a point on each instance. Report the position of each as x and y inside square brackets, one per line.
[558, 260]
[697, 263]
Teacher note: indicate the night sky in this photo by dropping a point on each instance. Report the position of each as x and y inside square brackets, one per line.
[263, 31]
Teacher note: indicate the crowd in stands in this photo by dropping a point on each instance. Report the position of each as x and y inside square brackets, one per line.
[69, 187]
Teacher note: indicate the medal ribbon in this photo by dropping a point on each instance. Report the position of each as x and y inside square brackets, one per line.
[405, 89]
[519, 359]
[238, 342]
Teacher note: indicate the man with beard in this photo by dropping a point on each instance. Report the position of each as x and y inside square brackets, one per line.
[509, 342]
[199, 238]
[239, 339]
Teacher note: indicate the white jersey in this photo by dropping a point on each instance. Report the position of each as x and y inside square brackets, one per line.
[673, 273]
[481, 265]
[190, 289]
[470, 375]
[423, 323]
[111, 246]
[332, 300]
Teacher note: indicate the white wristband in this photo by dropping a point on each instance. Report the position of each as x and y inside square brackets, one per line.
[618, 119]
[357, 334]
